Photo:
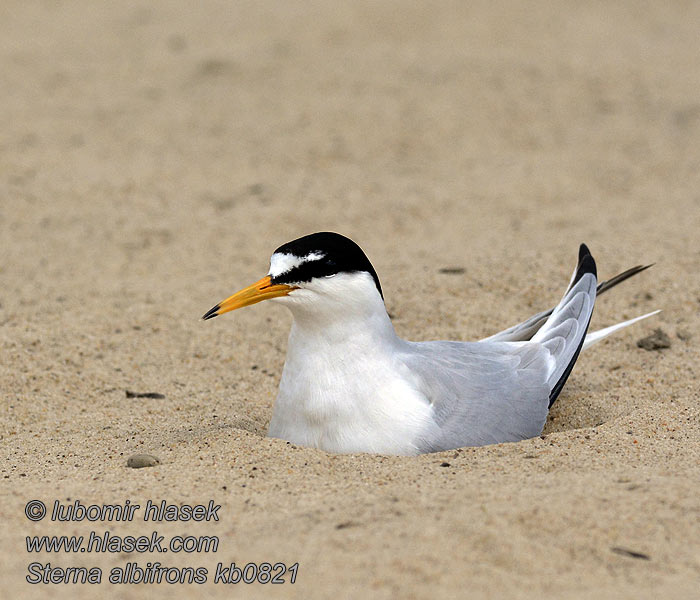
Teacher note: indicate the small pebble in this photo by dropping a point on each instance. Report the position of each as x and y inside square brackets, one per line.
[138, 461]
[656, 341]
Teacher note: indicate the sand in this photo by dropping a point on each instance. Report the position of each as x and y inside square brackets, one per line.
[152, 155]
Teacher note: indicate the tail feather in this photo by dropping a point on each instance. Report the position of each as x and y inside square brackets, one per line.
[527, 329]
[595, 336]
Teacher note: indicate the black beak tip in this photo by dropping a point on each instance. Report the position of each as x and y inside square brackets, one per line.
[210, 314]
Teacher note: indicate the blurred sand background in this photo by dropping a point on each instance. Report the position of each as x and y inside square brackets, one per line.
[152, 155]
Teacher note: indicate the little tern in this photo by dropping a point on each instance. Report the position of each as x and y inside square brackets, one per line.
[350, 384]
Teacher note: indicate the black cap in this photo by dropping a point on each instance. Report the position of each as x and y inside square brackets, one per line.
[338, 255]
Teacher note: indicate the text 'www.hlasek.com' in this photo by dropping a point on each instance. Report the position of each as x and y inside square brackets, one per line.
[143, 572]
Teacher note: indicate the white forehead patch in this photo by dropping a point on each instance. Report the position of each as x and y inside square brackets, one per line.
[282, 263]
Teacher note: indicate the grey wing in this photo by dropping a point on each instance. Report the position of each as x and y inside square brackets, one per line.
[481, 393]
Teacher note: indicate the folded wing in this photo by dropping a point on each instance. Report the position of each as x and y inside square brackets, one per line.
[490, 392]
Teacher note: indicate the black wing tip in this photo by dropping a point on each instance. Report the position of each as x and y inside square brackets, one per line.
[211, 313]
[586, 264]
[583, 251]
[634, 270]
[604, 286]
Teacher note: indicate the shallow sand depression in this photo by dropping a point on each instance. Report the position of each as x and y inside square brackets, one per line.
[153, 156]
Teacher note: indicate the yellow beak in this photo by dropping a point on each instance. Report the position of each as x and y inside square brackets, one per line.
[259, 291]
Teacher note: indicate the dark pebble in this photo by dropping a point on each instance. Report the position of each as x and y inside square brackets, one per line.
[656, 341]
[630, 553]
[154, 395]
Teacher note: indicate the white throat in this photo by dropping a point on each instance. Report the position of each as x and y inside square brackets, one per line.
[341, 308]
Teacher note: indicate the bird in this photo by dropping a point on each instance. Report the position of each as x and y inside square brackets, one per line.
[350, 384]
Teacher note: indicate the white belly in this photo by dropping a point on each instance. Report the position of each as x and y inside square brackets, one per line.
[350, 405]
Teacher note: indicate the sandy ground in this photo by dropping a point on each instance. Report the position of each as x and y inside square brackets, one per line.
[152, 155]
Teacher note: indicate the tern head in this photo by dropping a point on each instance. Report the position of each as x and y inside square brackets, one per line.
[318, 273]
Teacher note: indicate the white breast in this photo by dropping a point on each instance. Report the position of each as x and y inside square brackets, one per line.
[340, 403]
